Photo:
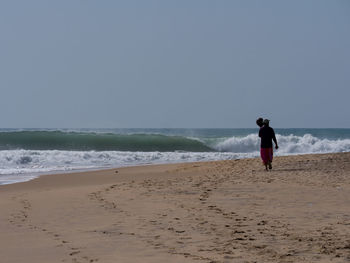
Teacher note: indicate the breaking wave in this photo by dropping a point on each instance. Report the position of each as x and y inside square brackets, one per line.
[85, 141]
[24, 154]
[290, 144]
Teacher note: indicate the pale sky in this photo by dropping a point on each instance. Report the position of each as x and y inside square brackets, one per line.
[174, 64]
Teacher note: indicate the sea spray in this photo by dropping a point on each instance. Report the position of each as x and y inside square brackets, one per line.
[246, 144]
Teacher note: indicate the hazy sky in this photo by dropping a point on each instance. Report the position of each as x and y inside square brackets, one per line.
[174, 63]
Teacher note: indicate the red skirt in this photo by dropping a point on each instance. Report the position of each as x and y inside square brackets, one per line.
[266, 155]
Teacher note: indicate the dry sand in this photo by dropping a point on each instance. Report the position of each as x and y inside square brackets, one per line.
[227, 211]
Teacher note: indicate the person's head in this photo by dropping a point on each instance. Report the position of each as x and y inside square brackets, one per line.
[259, 122]
[266, 122]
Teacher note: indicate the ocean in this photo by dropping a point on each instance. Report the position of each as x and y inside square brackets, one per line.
[27, 153]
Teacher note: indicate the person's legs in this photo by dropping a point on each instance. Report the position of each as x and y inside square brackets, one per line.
[270, 158]
[265, 157]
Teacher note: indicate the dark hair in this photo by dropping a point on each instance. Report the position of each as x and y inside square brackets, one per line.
[259, 122]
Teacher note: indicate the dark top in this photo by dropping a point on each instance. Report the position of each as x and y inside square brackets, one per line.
[267, 134]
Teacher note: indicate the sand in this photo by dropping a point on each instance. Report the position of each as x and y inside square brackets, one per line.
[226, 211]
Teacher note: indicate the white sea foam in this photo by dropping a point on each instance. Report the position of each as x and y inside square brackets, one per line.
[22, 165]
[309, 144]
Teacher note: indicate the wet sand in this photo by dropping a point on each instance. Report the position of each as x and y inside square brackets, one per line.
[226, 211]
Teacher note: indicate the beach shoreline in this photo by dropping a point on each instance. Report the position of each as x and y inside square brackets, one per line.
[217, 211]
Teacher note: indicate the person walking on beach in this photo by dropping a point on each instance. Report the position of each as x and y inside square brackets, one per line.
[267, 135]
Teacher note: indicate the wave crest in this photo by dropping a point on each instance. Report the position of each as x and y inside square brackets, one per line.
[290, 144]
[249, 143]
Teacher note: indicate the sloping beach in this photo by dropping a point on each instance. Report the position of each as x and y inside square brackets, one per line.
[224, 211]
